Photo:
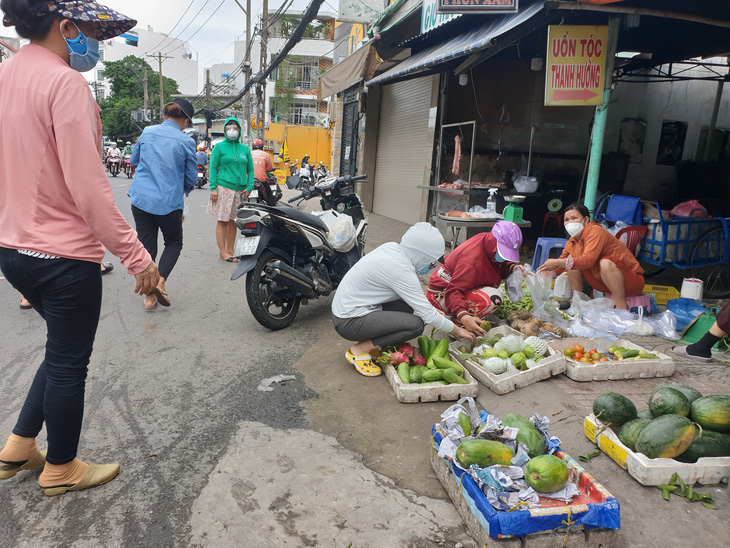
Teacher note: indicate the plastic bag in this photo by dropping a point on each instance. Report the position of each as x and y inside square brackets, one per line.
[513, 285]
[690, 208]
[685, 310]
[538, 285]
[185, 211]
[640, 327]
[665, 325]
[341, 235]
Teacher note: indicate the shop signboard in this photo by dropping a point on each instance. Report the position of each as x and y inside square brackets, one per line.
[477, 6]
[576, 61]
[430, 18]
[359, 11]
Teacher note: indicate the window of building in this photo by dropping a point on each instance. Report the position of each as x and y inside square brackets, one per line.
[99, 74]
[101, 55]
[304, 114]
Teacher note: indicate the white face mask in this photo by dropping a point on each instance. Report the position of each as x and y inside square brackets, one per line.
[232, 134]
[574, 228]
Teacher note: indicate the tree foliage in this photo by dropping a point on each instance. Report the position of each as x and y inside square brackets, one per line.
[127, 94]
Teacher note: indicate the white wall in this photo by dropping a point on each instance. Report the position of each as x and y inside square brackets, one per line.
[687, 101]
[181, 64]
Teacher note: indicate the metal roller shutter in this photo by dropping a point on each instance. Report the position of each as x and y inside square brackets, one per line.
[405, 145]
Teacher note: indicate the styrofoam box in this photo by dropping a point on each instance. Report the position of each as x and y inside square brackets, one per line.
[414, 393]
[707, 470]
[612, 370]
[551, 365]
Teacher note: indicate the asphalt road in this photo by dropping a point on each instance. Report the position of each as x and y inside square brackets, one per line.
[232, 435]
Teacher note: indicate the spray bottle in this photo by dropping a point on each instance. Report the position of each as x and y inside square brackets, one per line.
[492, 202]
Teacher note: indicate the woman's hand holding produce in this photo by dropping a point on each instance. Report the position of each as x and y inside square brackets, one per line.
[551, 264]
[472, 324]
[462, 333]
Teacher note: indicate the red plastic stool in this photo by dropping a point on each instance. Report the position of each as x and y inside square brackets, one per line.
[556, 218]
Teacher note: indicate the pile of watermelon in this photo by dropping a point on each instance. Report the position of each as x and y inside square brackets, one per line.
[679, 424]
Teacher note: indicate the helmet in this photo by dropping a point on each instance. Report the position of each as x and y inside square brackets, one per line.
[113, 144]
[305, 156]
[481, 302]
[129, 142]
[257, 144]
[201, 147]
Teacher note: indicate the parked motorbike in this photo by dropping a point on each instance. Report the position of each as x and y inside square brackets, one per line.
[301, 177]
[128, 165]
[321, 171]
[114, 165]
[202, 178]
[286, 255]
[267, 193]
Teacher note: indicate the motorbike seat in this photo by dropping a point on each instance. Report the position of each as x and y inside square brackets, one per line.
[296, 215]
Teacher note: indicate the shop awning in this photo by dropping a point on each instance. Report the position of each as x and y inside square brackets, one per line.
[470, 42]
[358, 67]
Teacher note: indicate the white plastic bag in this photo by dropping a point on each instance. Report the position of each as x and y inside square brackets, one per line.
[341, 235]
[513, 285]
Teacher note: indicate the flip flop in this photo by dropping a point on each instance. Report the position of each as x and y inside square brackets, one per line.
[682, 351]
[162, 297]
[108, 267]
[26, 306]
[150, 308]
[364, 364]
[231, 260]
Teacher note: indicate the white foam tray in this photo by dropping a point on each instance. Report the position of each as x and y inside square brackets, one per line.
[612, 370]
[549, 366]
[706, 471]
[414, 393]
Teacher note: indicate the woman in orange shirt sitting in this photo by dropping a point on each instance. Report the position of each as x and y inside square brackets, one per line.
[593, 254]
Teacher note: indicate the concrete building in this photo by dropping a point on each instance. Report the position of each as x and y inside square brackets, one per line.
[179, 61]
[309, 58]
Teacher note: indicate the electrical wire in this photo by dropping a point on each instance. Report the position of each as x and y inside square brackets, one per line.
[173, 27]
[199, 29]
[189, 23]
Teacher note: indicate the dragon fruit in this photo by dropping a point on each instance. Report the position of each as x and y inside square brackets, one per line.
[417, 359]
[407, 349]
[398, 357]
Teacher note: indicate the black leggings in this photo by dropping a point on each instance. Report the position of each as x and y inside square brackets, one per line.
[171, 227]
[395, 324]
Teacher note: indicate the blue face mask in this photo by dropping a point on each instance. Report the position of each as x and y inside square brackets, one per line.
[424, 269]
[498, 258]
[83, 52]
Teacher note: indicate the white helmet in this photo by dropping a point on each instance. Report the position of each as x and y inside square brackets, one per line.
[129, 142]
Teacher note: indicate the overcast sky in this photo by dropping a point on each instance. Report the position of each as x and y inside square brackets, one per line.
[212, 41]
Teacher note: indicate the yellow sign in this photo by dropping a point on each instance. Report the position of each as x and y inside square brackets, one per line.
[357, 33]
[576, 62]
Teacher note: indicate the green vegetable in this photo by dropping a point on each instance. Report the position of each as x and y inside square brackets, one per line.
[443, 363]
[451, 376]
[465, 423]
[528, 351]
[490, 353]
[442, 349]
[518, 360]
[503, 354]
[416, 373]
[403, 372]
[432, 375]
[527, 433]
[424, 345]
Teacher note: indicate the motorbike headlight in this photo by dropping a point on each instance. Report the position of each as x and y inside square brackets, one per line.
[341, 207]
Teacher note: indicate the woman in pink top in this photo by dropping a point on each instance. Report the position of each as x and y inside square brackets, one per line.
[56, 217]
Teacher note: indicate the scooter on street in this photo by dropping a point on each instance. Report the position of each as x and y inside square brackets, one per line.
[267, 193]
[128, 165]
[202, 177]
[114, 165]
[286, 255]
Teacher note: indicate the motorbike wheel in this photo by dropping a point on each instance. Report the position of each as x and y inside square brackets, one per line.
[272, 314]
[129, 174]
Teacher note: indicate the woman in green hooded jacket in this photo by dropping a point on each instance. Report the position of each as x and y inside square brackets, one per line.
[231, 180]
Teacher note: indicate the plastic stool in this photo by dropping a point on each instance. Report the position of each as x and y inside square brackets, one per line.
[555, 218]
[543, 248]
[634, 303]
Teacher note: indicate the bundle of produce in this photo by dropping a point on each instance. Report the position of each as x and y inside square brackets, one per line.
[509, 459]
[509, 353]
[430, 365]
[680, 423]
[615, 353]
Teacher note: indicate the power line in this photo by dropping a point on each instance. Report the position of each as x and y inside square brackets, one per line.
[199, 29]
[190, 23]
[173, 28]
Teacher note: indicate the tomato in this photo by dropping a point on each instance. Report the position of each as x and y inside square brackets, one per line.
[584, 360]
[595, 355]
[592, 351]
[579, 348]
[603, 359]
[577, 355]
[568, 352]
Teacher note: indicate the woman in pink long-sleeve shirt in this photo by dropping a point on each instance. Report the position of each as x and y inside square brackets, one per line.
[57, 214]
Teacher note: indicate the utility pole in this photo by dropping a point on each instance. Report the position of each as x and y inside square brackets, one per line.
[207, 106]
[261, 92]
[147, 116]
[160, 57]
[247, 74]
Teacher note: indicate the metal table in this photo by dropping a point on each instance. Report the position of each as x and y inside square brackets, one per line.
[455, 224]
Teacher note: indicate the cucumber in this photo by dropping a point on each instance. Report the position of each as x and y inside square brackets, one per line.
[441, 350]
[403, 373]
[451, 376]
[443, 363]
[416, 373]
[431, 375]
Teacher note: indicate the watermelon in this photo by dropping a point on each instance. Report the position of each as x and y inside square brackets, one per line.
[666, 437]
[712, 413]
[630, 431]
[527, 434]
[613, 409]
[707, 444]
[668, 401]
[691, 393]
[546, 473]
[644, 414]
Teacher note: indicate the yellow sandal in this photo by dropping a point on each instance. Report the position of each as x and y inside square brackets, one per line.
[364, 364]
